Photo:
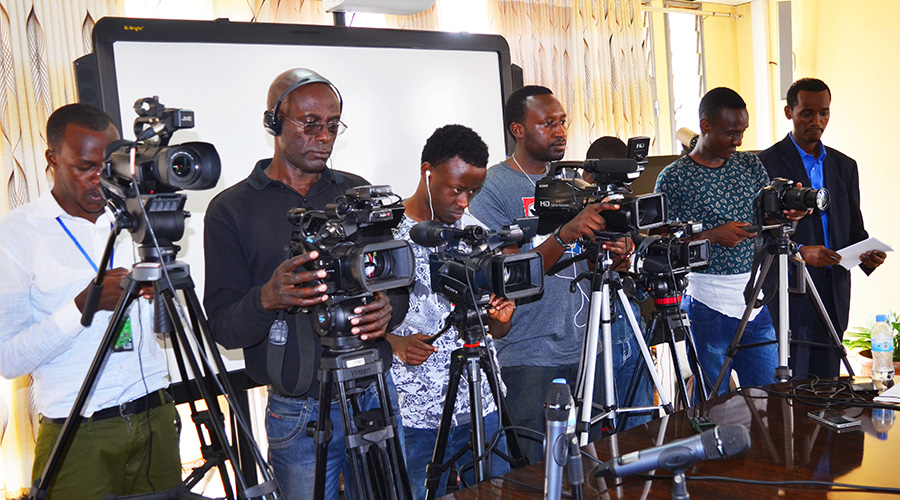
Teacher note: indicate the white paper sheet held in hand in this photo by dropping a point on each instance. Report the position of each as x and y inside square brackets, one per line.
[850, 255]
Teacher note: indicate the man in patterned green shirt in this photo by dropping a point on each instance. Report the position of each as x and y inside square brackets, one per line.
[715, 184]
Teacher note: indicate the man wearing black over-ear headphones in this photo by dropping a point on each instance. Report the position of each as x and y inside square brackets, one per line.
[250, 286]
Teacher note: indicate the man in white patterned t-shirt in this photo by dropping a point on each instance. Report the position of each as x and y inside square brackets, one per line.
[453, 167]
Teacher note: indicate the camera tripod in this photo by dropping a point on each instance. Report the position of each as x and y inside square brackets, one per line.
[158, 265]
[604, 282]
[674, 324]
[782, 247]
[473, 358]
[376, 458]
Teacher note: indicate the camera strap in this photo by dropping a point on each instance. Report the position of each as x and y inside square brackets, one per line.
[278, 334]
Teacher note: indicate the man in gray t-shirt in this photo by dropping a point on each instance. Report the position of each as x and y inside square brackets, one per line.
[546, 335]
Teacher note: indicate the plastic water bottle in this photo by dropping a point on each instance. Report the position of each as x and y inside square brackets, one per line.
[882, 352]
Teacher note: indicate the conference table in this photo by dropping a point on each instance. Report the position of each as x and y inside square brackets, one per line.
[786, 445]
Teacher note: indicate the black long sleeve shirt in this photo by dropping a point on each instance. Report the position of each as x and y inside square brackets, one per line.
[245, 239]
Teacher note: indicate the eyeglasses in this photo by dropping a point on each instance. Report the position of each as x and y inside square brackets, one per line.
[315, 128]
[552, 124]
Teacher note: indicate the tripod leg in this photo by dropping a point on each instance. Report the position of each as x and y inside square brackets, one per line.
[676, 363]
[67, 434]
[473, 376]
[323, 433]
[823, 314]
[700, 380]
[516, 455]
[745, 318]
[590, 366]
[436, 467]
[648, 360]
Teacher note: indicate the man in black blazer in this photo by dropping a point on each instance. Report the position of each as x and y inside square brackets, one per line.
[802, 157]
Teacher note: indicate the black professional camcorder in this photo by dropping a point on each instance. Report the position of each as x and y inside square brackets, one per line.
[671, 254]
[783, 194]
[356, 249]
[148, 166]
[662, 262]
[560, 196]
[471, 267]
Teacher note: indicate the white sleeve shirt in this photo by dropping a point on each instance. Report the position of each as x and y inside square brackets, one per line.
[41, 272]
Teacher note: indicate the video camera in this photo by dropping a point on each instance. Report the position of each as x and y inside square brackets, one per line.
[559, 196]
[149, 166]
[357, 251]
[661, 263]
[783, 194]
[471, 267]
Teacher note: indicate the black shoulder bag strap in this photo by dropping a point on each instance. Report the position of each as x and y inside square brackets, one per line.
[306, 345]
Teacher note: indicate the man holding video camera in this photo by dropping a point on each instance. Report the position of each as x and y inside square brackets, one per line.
[454, 163]
[546, 335]
[801, 156]
[126, 441]
[250, 286]
[715, 185]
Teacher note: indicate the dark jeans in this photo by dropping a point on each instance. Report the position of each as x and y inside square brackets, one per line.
[526, 387]
[420, 448]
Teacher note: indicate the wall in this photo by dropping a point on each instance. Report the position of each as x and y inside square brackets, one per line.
[853, 47]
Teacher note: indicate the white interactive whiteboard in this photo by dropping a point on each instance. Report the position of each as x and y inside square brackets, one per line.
[397, 86]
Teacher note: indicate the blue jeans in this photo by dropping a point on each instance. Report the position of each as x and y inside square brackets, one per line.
[292, 454]
[714, 332]
[626, 360]
[420, 448]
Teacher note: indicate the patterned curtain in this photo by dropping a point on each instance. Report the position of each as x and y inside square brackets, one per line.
[39, 40]
[593, 54]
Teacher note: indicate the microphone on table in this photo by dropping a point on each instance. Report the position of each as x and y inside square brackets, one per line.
[719, 442]
[557, 407]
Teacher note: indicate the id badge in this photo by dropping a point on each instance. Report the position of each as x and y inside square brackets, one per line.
[124, 341]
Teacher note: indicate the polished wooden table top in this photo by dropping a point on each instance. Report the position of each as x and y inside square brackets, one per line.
[786, 445]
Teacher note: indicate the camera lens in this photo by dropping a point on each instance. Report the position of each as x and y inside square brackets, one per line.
[183, 164]
[375, 265]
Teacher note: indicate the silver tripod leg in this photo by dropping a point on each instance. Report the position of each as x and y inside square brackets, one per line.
[600, 320]
[783, 371]
[817, 300]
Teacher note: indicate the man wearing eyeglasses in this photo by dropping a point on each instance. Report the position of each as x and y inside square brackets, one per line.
[250, 286]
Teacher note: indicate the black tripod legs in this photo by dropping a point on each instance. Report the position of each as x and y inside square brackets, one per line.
[370, 435]
[473, 360]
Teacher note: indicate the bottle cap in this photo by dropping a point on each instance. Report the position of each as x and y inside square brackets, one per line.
[881, 318]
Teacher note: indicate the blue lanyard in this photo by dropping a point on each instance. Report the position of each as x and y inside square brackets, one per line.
[83, 252]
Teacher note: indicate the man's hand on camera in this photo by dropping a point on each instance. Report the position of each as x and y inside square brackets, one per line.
[729, 234]
[621, 247]
[412, 349]
[112, 291]
[373, 318]
[284, 291]
[586, 223]
[501, 309]
[819, 256]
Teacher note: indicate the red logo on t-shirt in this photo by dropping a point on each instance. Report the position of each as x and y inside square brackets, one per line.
[528, 205]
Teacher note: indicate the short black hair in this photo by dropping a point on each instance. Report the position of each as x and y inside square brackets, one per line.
[80, 114]
[807, 84]
[454, 140]
[607, 147]
[718, 99]
[514, 112]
